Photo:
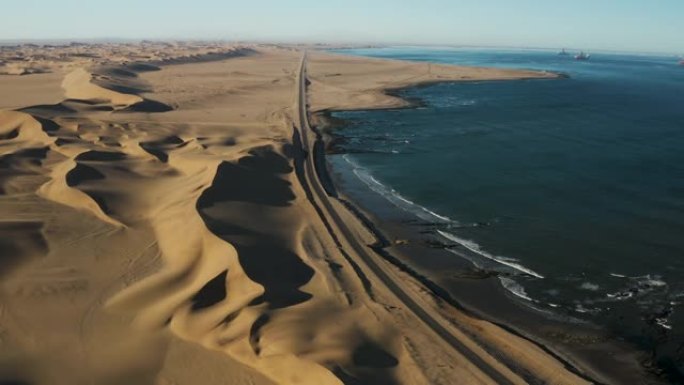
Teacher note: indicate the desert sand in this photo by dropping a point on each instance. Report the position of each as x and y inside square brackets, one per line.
[163, 223]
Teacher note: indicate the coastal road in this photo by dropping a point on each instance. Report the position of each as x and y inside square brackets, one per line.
[349, 244]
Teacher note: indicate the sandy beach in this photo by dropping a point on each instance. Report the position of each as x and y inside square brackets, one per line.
[166, 220]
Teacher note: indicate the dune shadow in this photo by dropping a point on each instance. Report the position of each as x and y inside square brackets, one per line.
[101, 200]
[160, 148]
[79, 103]
[141, 67]
[211, 293]
[48, 110]
[116, 71]
[371, 365]
[365, 377]
[372, 356]
[123, 88]
[280, 271]
[61, 141]
[155, 151]
[100, 156]
[255, 332]
[171, 139]
[32, 156]
[47, 125]
[10, 134]
[208, 57]
[346, 378]
[253, 179]
[68, 107]
[148, 105]
[82, 173]
[20, 240]
[264, 257]
[22, 162]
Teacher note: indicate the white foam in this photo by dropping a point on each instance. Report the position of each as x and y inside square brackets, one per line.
[515, 288]
[452, 102]
[426, 214]
[662, 322]
[648, 279]
[581, 309]
[621, 295]
[589, 286]
[394, 197]
[475, 248]
[653, 281]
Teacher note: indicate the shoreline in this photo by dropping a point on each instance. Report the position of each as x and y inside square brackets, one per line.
[440, 293]
[488, 336]
[385, 229]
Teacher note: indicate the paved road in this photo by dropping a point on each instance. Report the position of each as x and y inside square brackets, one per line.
[328, 213]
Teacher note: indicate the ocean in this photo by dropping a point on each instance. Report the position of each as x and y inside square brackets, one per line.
[571, 190]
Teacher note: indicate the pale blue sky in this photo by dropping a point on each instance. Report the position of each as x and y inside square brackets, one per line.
[630, 25]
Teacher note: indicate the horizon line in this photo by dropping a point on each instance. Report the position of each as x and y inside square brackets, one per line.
[64, 40]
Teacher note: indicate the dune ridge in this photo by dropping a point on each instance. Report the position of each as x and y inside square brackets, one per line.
[29, 59]
[77, 86]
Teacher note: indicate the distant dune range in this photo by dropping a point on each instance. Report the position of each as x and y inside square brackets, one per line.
[156, 230]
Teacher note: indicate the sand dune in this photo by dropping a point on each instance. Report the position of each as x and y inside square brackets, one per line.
[77, 86]
[158, 231]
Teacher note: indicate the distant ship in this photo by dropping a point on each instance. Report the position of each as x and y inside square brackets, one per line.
[563, 52]
[582, 56]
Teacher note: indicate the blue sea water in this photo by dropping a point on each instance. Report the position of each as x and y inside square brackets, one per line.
[572, 188]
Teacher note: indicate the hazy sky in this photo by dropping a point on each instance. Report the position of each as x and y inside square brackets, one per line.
[635, 25]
